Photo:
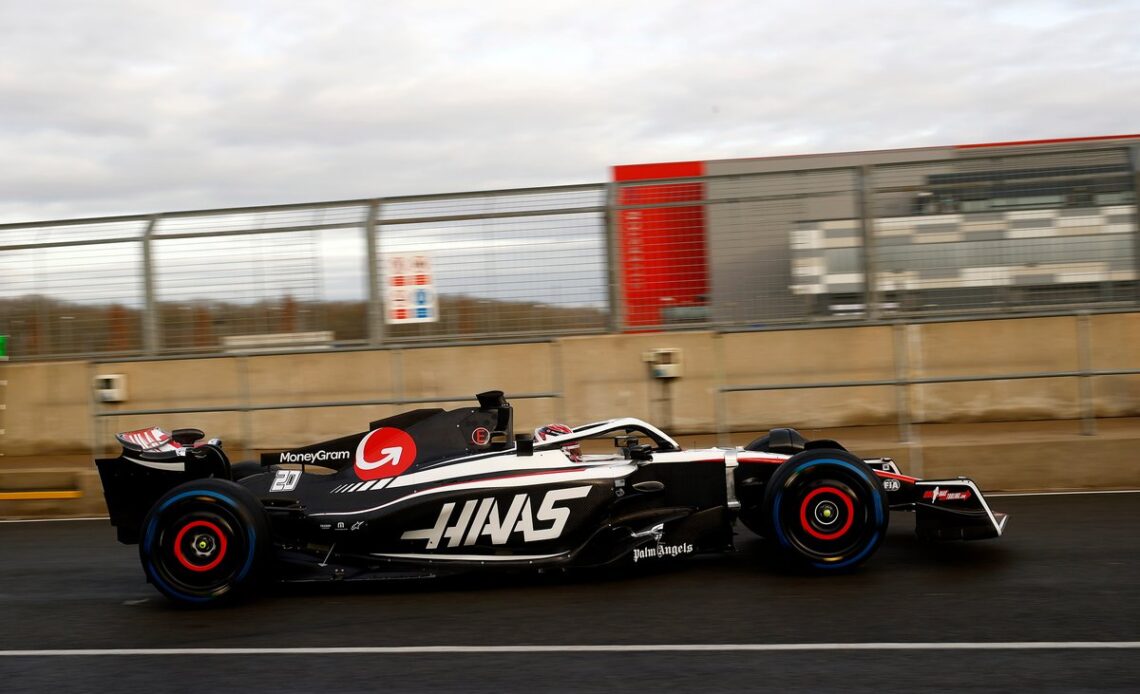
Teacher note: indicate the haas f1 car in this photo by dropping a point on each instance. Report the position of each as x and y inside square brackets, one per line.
[432, 492]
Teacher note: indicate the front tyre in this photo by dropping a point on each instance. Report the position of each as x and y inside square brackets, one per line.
[826, 509]
[204, 542]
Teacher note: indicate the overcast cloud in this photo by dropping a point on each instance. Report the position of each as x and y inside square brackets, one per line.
[140, 106]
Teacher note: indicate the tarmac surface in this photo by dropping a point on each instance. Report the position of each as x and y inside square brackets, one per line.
[1013, 614]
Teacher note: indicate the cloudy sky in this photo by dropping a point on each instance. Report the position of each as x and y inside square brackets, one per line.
[132, 106]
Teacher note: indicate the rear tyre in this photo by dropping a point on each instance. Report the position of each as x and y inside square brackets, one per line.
[205, 542]
[826, 510]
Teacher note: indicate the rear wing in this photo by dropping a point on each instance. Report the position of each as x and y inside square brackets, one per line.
[151, 463]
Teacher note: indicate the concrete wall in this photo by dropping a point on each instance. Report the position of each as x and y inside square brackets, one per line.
[50, 411]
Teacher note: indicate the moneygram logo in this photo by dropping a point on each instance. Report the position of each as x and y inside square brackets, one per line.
[385, 452]
[313, 457]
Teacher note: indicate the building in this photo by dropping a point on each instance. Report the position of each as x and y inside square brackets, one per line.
[985, 227]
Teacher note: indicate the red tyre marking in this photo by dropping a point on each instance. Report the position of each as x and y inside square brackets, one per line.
[221, 545]
[827, 536]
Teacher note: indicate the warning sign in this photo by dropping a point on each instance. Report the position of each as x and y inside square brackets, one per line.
[409, 289]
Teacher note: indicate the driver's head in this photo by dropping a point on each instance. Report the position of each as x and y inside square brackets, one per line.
[571, 448]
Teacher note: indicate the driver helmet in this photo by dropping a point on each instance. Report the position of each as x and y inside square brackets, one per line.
[572, 449]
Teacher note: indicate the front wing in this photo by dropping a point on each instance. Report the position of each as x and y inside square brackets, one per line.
[951, 509]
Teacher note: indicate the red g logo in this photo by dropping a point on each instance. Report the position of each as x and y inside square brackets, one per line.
[383, 453]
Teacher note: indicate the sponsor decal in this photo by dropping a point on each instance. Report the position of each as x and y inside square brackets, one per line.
[891, 484]
[939, 494]
[486, 517]
[150, 439]
[285, 481]
[311, 457]
[661, 552]
[481, 436]
[353, 487]
[385, 452]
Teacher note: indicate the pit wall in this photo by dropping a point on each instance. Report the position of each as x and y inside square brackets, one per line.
[51, 410]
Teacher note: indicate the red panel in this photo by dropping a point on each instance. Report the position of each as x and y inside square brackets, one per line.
[648, 172]
[663, 250]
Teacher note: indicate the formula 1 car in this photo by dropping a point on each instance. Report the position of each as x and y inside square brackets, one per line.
[432, 492]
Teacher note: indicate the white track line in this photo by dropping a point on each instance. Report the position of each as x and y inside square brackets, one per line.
[592, 648]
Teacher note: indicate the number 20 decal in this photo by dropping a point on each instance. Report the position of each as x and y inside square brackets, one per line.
[285, 481]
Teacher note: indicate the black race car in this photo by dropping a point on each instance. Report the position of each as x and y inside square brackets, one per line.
[432, 492]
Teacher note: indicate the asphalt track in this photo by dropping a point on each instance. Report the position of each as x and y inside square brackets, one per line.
[1015, 614]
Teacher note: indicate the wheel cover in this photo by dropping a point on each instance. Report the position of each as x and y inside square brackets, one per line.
[200, 553]
[824, 518]
[203, 550]
[819, 512]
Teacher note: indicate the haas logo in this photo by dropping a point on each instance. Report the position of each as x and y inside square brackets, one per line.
[385, 452]
[479, 518]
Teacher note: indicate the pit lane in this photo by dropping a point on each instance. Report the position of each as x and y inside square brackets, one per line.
[1066, 571]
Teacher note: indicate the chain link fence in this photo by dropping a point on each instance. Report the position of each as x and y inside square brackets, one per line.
[1023, 232]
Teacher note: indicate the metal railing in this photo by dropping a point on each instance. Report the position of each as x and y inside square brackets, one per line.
[1021, 233]
[903, 383]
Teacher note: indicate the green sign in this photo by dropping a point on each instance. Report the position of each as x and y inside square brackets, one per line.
[3, 347]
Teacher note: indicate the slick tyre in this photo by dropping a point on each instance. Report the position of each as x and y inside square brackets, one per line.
[826, 510]
[205, 543]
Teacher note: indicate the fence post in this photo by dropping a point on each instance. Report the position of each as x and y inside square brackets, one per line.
[1084, 357]
[867, 229]
[1134, 159]
[375, 311]
[720, 404]
[150, 323]
[902, 379]
[613, 259]
[245, 397]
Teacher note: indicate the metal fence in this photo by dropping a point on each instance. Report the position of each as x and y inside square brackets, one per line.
[1024, 232]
